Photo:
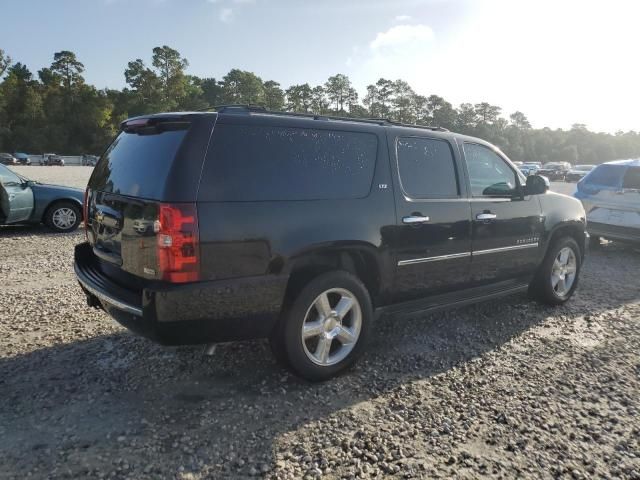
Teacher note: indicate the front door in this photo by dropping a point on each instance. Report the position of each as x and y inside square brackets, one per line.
[16, 197]
[432, 237]
[506, 224]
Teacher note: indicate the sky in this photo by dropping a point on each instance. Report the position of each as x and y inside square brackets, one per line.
[559, 61]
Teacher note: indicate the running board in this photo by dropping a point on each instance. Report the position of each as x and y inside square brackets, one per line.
[455, 300]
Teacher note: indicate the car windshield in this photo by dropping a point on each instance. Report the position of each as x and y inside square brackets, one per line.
[583, 168]
[552, 165]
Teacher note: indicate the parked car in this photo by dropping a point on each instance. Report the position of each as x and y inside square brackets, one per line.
[554, 170]
[89, 160]
[577, 172]
[207, 227]
[23, 158]
[27, 201]
[610, 194]
[8, 159]
[54, 160]
[529, 169]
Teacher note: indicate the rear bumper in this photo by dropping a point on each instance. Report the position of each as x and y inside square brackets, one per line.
[614, 232]
[201, 312]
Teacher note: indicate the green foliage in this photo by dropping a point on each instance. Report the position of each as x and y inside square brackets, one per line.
[58, 111]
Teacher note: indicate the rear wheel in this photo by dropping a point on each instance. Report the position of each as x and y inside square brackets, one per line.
[325, 328]
[557, 277]
[63, 217]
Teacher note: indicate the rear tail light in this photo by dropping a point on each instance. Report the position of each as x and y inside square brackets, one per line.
[178, 242]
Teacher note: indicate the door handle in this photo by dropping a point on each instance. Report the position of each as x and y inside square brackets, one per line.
[486, 216]
[415, 219]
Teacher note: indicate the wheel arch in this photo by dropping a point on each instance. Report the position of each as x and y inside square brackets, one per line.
[358, 258]
[54, 201]
[573, 229]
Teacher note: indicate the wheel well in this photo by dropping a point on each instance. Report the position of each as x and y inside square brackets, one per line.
[574, 231]
[55, 202]
[358, 262]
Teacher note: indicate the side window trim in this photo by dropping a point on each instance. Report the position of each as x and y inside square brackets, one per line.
[456, 167]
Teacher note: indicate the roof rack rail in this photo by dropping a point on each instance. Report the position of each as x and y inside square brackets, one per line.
[375, 121]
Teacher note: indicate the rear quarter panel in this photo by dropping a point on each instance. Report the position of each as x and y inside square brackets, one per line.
[46, 195]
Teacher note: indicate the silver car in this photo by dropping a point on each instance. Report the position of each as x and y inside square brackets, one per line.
[610, 194]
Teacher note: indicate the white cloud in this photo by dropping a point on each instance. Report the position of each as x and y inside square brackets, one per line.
[226, 15]
[402, 35]
[402, 18]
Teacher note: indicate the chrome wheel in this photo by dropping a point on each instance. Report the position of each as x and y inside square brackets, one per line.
[64, 218]
[331, 326]
[563, 271]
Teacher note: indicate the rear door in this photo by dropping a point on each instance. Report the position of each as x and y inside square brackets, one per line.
[432, 236]
[153, 162]
[506, 225]
[16, 197]
[628, 215]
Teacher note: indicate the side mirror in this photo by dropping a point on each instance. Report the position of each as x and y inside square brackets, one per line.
[536, 185]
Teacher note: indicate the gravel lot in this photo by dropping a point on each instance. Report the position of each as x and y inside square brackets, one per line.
[504, 389]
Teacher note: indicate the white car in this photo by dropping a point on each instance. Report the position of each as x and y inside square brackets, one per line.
[610, 194]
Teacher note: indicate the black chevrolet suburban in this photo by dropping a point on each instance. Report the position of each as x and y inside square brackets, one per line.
[242, 223]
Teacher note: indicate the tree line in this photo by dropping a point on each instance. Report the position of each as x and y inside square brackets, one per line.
[56, 110]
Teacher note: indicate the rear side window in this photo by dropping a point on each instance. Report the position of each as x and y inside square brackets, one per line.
[264, 163]
[427, 168]
[138, 163]
[632, 178]
[606, 176]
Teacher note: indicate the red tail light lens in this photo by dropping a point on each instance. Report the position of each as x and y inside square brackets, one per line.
[178, 243]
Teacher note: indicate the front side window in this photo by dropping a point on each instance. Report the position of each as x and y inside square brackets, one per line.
[489, 175]
[632, 178]
[427, 168]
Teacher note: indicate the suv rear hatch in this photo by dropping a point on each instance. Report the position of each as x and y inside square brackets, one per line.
[140, 202]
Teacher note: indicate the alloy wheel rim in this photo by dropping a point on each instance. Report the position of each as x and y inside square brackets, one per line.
[64, 218]
[563, 271]
[331, 327]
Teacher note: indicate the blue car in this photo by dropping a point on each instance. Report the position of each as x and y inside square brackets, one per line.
[27, 201]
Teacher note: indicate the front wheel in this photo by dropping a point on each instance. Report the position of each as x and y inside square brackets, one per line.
[557, 276]
[325, 328]
[63, 217]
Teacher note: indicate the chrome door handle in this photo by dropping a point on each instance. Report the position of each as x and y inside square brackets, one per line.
[415, 219]
[486, 216]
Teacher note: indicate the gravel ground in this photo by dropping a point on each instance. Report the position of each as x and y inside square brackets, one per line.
[503, 389]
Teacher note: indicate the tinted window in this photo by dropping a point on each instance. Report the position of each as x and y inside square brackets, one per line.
[7, 177]
[138, 163]
[489, 174]
[259, 163]
[632, 178]
[427, 167]
[606, 175]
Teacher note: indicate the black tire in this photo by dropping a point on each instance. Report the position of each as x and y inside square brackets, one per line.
[542, 288]
[287, 342]
[55, 224]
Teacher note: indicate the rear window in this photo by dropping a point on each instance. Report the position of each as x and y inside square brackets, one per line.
[264, 163]
[606, 175]
[137, 163]
[632, 178]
